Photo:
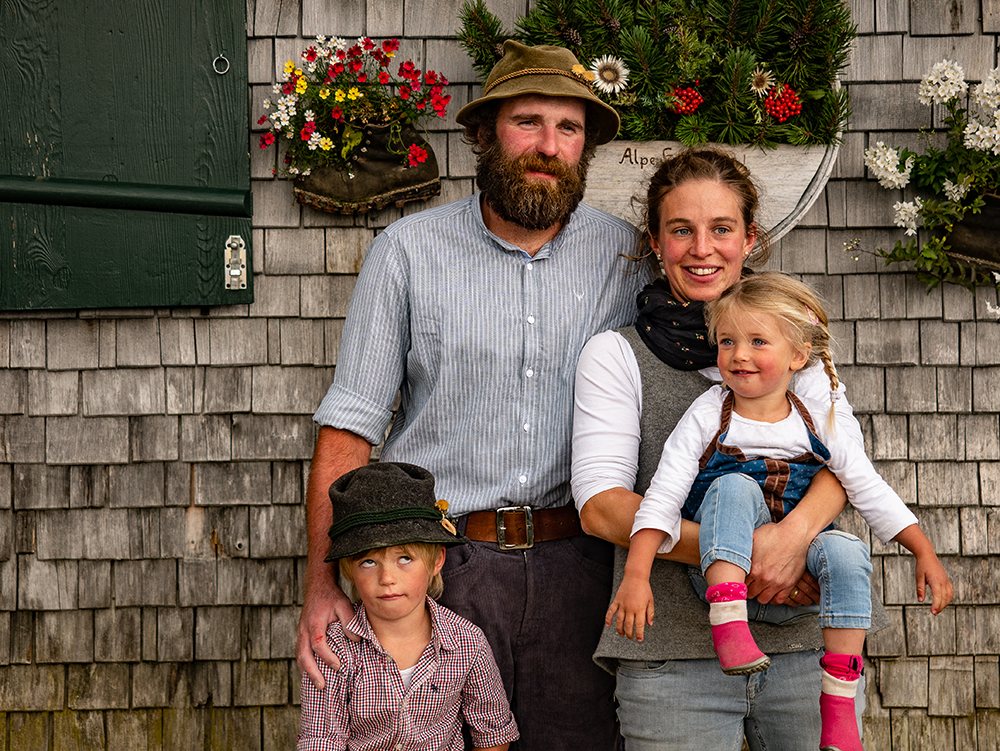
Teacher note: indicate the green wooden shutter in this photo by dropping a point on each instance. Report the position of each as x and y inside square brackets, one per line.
[123, 153]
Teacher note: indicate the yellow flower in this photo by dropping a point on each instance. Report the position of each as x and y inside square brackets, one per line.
[324, 93]
[339, 95]
[298, 71]
[353, 93]
[300, 85]
[326, 144]
[289, 67]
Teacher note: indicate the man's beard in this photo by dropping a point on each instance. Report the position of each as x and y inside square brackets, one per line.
[534, 204]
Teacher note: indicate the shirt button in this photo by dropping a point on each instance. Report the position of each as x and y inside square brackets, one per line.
[531, 319]
[529, 372]
[525, 427]
[522, 479]
[528, 265]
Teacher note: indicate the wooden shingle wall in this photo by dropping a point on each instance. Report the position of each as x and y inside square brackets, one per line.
[151, 517]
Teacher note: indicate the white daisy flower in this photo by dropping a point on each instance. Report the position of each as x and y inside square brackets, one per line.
[611, 75]
[761, 81]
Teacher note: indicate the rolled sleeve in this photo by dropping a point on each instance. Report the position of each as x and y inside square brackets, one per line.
[484, 703]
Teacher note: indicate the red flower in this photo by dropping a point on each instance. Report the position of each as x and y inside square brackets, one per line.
[390, 45]
[354, 51]
[338, 68]
[404, 93]
[287, 87]
[266, 140]
[356, 65]
[368, 44]
[362, 77]
[336, 113]
[416, 155]
[430, 77]
[384, 77]
[310, 55]
[263, 119]
[782, 102]
[687, 100]
[341, 54]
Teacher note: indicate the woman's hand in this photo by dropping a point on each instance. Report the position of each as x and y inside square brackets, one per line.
[778, 568]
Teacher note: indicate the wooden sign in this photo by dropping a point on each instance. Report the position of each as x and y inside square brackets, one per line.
[789, 178]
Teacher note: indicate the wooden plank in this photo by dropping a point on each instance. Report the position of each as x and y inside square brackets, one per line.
[791, 178]
[188, 129]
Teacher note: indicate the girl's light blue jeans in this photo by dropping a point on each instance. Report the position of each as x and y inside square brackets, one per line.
[734, 507]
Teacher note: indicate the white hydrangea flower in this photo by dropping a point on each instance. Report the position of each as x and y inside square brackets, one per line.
[945, 82]
[883, 161]
[956, 191]
[987, 93]
[907, 213]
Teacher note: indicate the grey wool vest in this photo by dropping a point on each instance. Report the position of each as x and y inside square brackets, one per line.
[680, 629]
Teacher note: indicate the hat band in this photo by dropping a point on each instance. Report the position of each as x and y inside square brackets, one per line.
[537, 72]
[365, 518]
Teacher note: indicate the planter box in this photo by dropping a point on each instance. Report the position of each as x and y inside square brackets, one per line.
[976, 239]
[790, 178]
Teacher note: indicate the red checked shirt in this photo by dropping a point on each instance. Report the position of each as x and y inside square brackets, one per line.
[364, 706]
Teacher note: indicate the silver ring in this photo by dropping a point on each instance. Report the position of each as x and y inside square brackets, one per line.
[215, 65]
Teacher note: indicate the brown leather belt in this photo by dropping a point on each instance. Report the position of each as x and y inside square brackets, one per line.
[519, 527]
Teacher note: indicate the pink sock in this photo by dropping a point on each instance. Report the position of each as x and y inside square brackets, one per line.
[836, 702]
[731, 637]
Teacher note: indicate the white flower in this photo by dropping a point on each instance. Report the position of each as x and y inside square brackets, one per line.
[987, 94]
[945, 82]
[310, 115]
[982, 137]
[993, 310]
[996, 277]
[314, 140]
[267, 104]
[956, 191]
[611, 75]
[883, 161]
[907, 213]
[761, 81]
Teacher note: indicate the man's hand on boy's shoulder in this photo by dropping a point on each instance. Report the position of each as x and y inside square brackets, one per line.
[318, 613]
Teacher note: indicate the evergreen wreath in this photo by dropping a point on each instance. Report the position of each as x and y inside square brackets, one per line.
[759, 72]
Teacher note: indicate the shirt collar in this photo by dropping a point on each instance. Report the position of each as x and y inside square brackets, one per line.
[441, 638]
[545, 251]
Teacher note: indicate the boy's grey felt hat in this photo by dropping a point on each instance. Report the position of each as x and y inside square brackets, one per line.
[385, 504]
[544, 70]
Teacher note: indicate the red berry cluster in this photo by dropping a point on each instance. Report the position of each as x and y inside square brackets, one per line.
[687, 100]
[782, 102]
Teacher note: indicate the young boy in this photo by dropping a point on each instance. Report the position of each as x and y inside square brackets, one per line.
[419, 670]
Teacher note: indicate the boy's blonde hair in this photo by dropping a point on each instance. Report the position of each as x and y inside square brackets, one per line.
[797, 308]
[427, 552]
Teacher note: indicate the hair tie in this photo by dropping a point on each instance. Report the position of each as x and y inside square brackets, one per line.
[813, 319]
[834, 395]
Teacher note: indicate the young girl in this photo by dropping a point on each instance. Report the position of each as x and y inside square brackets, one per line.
[743, 456]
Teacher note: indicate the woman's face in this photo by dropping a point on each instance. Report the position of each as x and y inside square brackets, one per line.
[702, 239]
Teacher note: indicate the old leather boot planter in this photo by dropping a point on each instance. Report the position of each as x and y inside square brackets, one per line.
[379, 175]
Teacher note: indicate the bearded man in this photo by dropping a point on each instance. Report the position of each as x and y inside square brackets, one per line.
[475, 313]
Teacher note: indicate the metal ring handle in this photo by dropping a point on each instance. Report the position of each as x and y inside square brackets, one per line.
[215, 65]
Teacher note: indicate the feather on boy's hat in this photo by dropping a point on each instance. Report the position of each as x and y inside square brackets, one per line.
[385, 504]
[544, 70]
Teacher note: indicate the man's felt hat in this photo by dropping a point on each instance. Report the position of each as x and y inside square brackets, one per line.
[385, 504]
[547, 71]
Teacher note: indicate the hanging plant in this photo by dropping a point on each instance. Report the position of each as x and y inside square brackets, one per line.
[760, 72]
[958, 207]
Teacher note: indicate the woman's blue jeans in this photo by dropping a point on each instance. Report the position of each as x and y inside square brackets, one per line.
[734, 507]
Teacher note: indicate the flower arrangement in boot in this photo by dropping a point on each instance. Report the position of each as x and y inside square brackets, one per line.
[336, 89]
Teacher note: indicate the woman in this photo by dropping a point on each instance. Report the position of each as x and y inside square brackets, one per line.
[632, 386]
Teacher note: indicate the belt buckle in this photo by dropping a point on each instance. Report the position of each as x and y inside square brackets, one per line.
[529, 528]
